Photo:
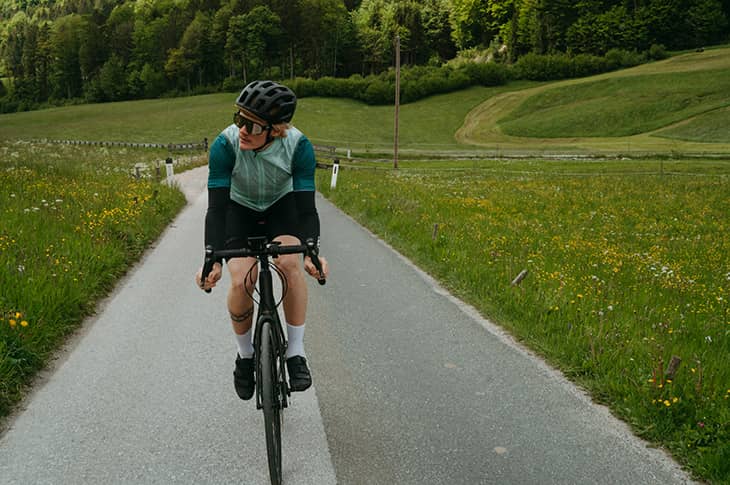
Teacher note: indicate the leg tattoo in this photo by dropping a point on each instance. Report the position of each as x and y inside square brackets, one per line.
[243, 317]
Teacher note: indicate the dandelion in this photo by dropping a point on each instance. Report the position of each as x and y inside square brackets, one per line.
[24, 323]
[12, 322]
[667, 403]
[675, 400]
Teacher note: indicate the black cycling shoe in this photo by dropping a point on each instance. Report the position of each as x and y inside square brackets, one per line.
[299, 377]
[243, 379]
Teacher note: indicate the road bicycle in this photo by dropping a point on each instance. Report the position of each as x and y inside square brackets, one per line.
[272, 388]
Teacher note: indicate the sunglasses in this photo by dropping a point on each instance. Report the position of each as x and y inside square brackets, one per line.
[252, 127]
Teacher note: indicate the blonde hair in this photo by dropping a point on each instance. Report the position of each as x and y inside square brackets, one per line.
[279, 130]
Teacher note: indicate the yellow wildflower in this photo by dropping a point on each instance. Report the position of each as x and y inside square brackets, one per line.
[12, 322]
[667, 403]
[24, 323]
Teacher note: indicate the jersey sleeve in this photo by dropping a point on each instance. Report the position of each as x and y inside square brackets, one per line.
[221, 159]
[303, 166]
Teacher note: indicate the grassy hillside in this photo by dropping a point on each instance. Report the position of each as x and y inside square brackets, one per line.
[426, 125]
[671, 106]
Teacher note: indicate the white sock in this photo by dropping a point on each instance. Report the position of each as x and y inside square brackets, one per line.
[245, 345]
[295, 335]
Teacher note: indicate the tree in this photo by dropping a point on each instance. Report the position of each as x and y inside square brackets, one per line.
[472, 23]
[119, 28]
[437, 29]
[113, 79]
[65, 67]
[92, 52]
[375, 21]
[325, 23]
[252, 38]
[189, 58]
[706, 22]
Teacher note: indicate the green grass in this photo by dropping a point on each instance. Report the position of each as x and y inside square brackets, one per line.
[426, 125]
[627, 112]
[627, 268]
[627, 259]
[708, 127]
[72, 220]
[620, 106]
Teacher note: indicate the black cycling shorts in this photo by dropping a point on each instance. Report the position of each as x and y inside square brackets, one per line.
[282, 218]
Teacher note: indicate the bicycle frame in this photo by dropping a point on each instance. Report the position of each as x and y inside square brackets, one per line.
[267, 311]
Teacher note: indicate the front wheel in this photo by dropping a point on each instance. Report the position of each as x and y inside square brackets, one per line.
[270, 401]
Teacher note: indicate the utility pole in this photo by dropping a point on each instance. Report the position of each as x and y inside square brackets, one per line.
[397, 98]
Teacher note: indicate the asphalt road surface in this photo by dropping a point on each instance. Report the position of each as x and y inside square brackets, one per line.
[411, 386]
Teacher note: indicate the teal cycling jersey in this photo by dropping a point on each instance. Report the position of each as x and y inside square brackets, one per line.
[257, 179]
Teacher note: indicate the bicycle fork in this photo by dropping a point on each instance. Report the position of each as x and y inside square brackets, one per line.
[268, 313]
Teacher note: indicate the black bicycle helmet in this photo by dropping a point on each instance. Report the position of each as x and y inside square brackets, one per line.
[269, 100]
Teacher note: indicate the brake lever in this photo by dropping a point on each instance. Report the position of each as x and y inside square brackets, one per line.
[208, 263]
[314, 256]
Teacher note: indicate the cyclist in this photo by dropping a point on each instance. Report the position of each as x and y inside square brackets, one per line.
[261, 183]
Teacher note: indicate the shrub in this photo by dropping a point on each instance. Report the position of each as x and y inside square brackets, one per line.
[485, 73]
[618, 58]
[379, 92]
[303, 87]
[232, 84]
[588, 65]
[658, 52]
[543, 68]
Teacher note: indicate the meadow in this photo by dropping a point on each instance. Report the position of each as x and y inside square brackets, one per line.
[72, 220]
[627, 259]
[627, 269]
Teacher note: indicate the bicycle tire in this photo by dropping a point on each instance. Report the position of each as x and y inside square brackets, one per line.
[270, 401]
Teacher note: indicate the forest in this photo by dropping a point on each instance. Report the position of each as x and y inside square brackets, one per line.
[75, 51]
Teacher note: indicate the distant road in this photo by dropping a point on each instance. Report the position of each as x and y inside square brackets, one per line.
[410, 386]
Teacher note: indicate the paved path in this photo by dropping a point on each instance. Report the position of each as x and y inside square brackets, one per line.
[411, 386]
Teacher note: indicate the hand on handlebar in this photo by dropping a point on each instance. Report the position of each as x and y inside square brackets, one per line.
[312, 270]
[213, 277]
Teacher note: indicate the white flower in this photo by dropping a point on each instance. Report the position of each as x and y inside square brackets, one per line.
[708, 339]
[21, 268]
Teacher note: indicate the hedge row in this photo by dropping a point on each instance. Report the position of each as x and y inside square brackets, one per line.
[418, 82]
